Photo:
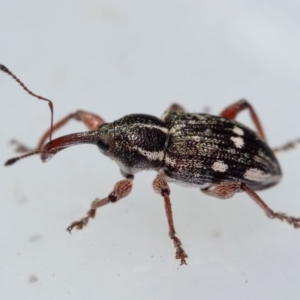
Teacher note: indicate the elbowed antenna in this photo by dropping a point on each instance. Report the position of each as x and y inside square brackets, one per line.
[56, 145]
[7, 71]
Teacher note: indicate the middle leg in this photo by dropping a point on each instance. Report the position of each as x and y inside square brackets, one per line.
[161, 187]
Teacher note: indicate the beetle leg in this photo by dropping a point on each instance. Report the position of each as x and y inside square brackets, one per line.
[121, 189]
[174, 107]
[161, 187]
[270, 213]
[287, 146]
[91, 121]
[228, 189]
[231, 112]
[223, 190]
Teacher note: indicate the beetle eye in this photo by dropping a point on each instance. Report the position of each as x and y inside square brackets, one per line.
[103, 146]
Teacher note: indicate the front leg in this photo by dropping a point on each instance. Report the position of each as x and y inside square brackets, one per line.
[90, 120]
[161, 187]
[121, 189]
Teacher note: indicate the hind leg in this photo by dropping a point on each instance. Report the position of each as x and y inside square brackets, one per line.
[228, 189]
[232, 110]
[287, 146]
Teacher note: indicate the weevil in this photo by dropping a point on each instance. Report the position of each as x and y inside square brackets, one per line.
[216, 154]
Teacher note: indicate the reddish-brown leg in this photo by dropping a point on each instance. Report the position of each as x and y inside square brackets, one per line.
[91, 121]
[174, 107]
[121, 189]
[228, 189]
[161, 187]
[231, 112]
[178, 108]
[223, 190]
[287, 146]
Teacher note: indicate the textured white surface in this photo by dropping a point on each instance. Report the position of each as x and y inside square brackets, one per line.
[120, 57]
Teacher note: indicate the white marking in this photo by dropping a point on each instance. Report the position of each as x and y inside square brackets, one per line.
[173, 130]
[238, 130]
[207, 131]
[219, 166]
[184, 164]
[205, 185]
[176, 128]
[201, 117]
[170, 161]
[257, 175]
[261, 160]
[164, 115]
[196, 138]
[163, 129]
[238, 141]
[195, 119]
[155, 155]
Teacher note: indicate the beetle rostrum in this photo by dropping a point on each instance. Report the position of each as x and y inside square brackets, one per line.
[216, 154]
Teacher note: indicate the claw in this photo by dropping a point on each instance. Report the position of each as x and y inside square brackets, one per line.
[291, 220]
[83, 222]
[180, 254]
[70, 228]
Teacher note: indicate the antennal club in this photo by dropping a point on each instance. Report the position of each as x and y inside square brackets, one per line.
[11, 161]
[7, 71]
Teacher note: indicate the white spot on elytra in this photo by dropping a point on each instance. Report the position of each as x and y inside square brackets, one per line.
[219, 166]
[169, 161]
[238, 130]
[207, 131]
[258, 175]
[238, 141]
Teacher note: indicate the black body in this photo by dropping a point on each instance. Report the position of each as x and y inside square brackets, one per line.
[192, 149]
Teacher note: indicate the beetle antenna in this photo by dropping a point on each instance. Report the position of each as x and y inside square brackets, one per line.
[7, 71]
[15, 159]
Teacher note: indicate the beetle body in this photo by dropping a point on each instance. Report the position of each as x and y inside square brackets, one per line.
[217, 154]
[190, 149]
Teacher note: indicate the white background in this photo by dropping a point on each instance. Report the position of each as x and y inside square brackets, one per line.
[119, 57]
